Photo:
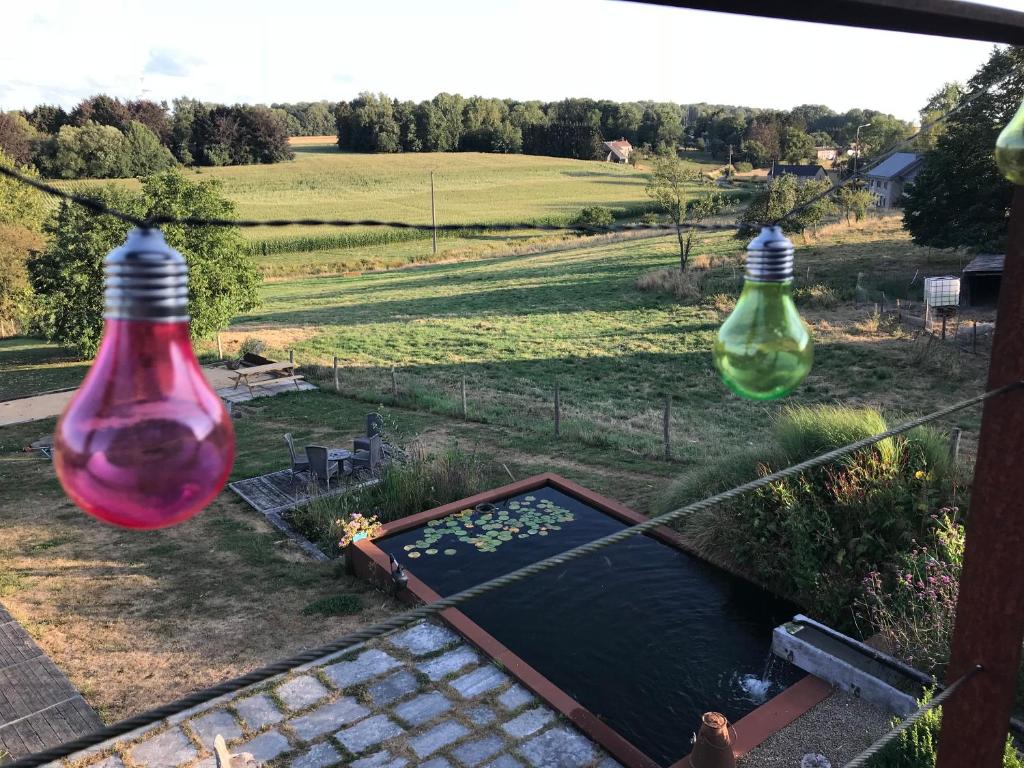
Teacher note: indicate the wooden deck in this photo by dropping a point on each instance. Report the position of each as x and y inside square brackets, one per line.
[39, 707]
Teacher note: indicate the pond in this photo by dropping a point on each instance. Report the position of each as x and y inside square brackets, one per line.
[643, 635]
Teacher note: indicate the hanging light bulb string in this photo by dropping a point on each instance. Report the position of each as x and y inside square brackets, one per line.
[350, 641]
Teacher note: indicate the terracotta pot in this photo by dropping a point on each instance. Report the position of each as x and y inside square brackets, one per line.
[713, 748]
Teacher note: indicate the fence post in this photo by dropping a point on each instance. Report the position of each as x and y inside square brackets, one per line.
[465, 413]
[974, 338]
[337, 383]
[394, 385]
[220, 348]
[291, 357]
[666, 430]
[558, 412]
[954, 446]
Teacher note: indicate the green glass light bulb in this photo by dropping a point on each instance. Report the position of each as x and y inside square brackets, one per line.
[764, 350]
[1010, 149]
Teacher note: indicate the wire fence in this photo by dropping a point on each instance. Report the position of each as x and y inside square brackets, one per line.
[398, 621]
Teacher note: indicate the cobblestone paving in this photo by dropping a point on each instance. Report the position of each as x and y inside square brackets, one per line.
[419, 697]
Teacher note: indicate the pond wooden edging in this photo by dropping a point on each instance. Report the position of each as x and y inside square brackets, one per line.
[372, 564]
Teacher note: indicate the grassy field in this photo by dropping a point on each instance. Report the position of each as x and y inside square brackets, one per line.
[516, 326]
[322, 182]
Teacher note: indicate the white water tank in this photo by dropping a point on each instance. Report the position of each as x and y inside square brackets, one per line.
[942, 291]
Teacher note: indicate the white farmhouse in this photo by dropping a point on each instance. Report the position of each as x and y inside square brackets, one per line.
[887, 181]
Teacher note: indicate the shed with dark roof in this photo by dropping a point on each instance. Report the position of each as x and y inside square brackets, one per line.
[981, 280]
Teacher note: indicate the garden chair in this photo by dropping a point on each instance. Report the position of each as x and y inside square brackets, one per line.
[319, 465]
[368, 458]
[374, 427]
[298, 465]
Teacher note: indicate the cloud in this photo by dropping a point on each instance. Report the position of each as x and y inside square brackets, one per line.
[163, 61]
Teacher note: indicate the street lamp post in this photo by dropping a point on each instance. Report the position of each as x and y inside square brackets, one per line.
[856, 153]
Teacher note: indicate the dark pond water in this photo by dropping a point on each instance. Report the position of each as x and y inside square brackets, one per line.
[644, 636]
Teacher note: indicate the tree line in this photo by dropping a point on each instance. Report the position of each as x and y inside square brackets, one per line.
[104, 137]
[375, 122]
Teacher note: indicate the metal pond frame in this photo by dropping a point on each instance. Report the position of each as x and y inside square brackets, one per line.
[372, 564]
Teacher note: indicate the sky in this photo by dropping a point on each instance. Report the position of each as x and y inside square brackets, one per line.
[58, 51]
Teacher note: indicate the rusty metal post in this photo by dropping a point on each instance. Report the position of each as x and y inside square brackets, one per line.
[989, 625]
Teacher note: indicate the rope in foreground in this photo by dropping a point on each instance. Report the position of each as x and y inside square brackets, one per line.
[912, 718]
[350, 641]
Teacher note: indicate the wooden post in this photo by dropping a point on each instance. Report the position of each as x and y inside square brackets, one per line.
[394, 385]
[220, 348]
[989, 624]
[337, 382]
[465, 412]
[974, 338]
[954, 446]
[291, 357]
[558, 412]
[666, 426]
[433, 216]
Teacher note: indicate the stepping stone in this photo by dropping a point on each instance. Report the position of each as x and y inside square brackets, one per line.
[437, 762]
[449, 663]
[529, 722]
[380, 760]
[472, 753]
[480, 715]
[609, 762]
[210, 725]
[423, 639]
[439, 736]
[423, 708]
[168, 750]
[366, 666]
[515, 697]
[505, 761]
[558, 748]
[369, 733]
[258, 711]
[327, 718]
[301, 692]
[392, 688]
[479, 681]
[318, 756]
[265, 747]
[114, 761]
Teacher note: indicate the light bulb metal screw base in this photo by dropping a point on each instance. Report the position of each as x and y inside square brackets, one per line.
[146, 279]
[770, 256]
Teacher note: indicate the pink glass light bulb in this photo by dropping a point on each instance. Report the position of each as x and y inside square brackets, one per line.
[145, 442]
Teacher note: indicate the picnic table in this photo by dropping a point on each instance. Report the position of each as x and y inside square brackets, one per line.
[277, 373]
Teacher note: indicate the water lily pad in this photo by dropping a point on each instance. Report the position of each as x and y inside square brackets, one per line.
[431, 551]
[449, 552]
[414, 554]
[524, 536]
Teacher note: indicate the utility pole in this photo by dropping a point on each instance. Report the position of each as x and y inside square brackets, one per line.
[730, 157]
[433, 217]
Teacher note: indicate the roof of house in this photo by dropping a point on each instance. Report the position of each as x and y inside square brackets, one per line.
[796, 170]
[898, 164]
[620, 148]
[987, 262]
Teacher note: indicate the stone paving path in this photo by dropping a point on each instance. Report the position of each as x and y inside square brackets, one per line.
[39, 707]
[420, 697]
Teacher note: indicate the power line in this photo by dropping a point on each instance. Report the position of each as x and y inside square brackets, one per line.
[397, 622]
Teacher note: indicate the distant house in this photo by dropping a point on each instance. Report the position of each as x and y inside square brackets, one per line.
[826, 154]
[887, 181]
[618, 151]
[803, 173]
[979, 286]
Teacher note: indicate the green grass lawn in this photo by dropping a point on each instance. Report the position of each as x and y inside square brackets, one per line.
[516, 326]
[30, 367]
[470, 187]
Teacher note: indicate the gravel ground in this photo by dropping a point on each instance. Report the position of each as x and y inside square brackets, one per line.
[839, 728]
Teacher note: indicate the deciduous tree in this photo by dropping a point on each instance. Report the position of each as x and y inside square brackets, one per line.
[671, 186]
[68, 276]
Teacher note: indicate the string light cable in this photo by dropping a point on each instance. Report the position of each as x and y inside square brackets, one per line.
[398, 621]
